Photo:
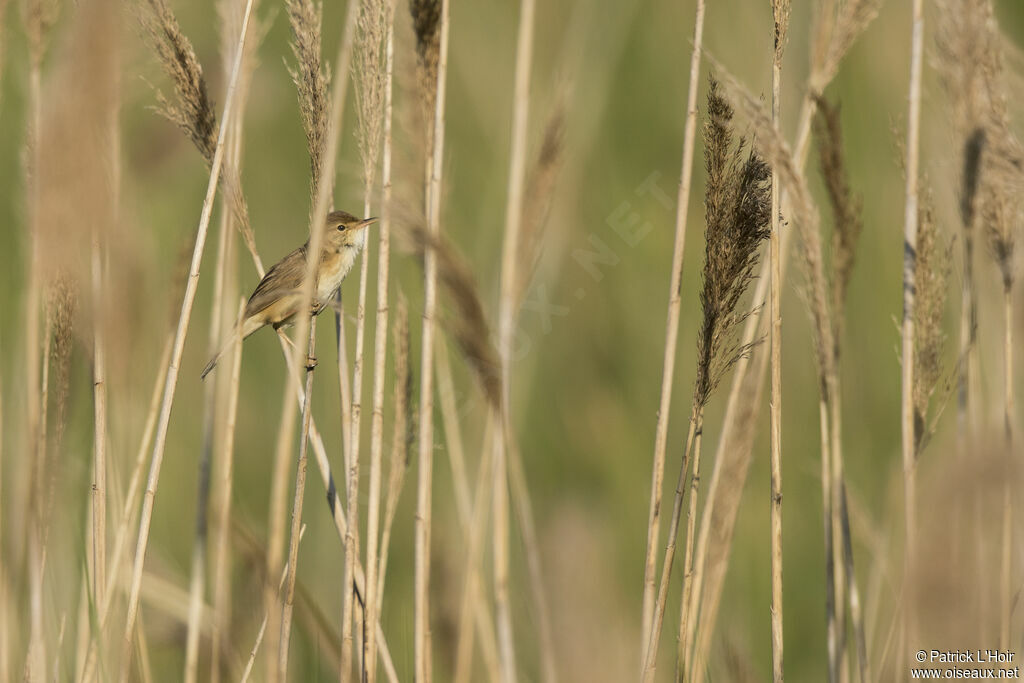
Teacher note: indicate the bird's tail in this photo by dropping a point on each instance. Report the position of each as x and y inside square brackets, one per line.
[216, 357]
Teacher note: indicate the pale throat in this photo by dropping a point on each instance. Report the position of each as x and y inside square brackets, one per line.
[347, 254]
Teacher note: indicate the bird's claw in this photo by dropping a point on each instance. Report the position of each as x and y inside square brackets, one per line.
[310, 363]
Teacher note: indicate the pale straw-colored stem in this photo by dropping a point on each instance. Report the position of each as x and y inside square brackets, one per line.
[775, 402]
[36, 653]
[99, 391]
[472, 589]
[125, 520]
[651, 657]
[424, 483]
[671, 331]
[172, 369]
[508, 307]
[472, 519]
[1006, 565]
[380, 351]
[222, 520]
[685, 625]
[4, 645]
[297, 501]
[263, 624]
[907, 356]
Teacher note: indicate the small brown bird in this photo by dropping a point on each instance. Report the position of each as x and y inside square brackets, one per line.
[277, 297]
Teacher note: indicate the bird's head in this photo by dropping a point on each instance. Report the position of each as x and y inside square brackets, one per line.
[344, 229]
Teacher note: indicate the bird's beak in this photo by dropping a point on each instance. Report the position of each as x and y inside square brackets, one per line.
[365, 223]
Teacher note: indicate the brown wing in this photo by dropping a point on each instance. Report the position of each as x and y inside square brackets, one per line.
[284, 277]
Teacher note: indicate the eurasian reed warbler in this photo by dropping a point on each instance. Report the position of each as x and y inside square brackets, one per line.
[277, 298]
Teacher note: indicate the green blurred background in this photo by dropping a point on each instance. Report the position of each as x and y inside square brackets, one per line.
[587, 379]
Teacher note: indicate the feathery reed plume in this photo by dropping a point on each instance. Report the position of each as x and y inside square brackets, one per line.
[847, 223]
[426, 24]
[541, 182]
[62, 309]
[192, 109]
[736, 213]
[737, 202]
[305, 17]
[829, 47]
[671, 336]
[969, 61]
[467, 324]
[930, 277]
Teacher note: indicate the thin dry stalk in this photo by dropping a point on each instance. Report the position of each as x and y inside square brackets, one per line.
[297, 500]
[129, 506]
[431, 22]
[99, 465]
[266, 617]
[671, 331]
[507, 317]
[839, 554]
[304, 324]
[401, 435]
[172, 369]
[368, 72]
[910, 228]
[222, 555]
[472, 589]
[372, 608]
[780, 11]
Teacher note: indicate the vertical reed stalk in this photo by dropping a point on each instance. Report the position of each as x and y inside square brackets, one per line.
[4, 645]
[775, 402]
[421, 604]
[372, 608]
[686, 624]
[507, 316]
[671, 332]
[907, 355]
[178, 348]
[222, 554]
[651, 656]
[300, 472]
[99, 383]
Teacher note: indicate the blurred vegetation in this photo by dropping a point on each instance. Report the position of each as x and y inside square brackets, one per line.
[586, 381]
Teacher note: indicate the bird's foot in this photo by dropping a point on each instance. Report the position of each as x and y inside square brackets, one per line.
[310, 363]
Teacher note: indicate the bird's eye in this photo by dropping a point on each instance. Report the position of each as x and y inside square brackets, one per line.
[341, 228]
